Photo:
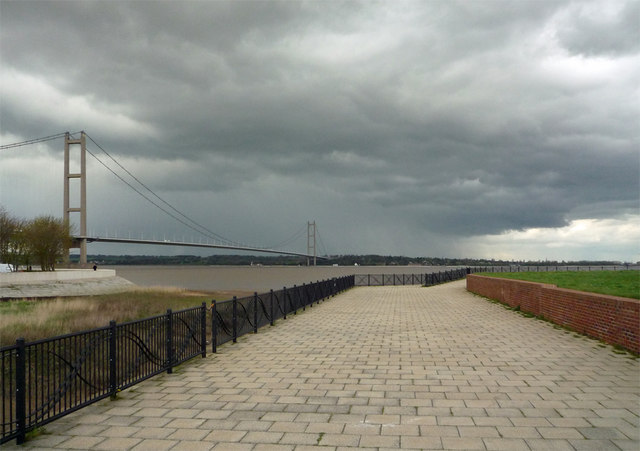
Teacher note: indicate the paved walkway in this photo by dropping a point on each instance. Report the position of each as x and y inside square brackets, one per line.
[380, 368]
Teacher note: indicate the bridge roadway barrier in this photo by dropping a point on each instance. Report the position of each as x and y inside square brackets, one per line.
[393, 367]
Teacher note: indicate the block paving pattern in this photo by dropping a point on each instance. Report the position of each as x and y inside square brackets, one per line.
[379, 368]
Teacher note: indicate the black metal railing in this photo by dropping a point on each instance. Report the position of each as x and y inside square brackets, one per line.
[47, 379]
[239, 316]
[427, 279]
[435, 278]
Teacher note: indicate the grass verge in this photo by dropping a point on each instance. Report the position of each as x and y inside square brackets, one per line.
[615, 283]
[42, 318]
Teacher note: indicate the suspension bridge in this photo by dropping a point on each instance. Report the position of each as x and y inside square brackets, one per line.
[75, 144]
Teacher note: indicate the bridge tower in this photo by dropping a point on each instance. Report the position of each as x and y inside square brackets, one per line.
[75, 145]
[311, 242]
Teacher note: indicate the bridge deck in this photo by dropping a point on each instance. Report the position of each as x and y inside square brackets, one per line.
[380, 367]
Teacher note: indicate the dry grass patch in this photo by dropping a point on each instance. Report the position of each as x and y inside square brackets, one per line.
[36, 319]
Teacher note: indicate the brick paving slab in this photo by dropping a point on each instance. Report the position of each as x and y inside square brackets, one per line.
[379, 368]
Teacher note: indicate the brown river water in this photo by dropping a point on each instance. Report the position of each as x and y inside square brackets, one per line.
[251, 278]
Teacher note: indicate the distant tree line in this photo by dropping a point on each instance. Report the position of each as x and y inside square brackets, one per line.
[342, 260]
[44, 241]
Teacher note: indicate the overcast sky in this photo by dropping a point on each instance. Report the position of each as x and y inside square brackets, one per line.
[486, 129]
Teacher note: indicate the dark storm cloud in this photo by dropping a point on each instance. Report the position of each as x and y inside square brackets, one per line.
[612, 30]
[455, 118]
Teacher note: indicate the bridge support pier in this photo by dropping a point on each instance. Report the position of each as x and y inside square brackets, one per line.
[311, 242]
[82, 176]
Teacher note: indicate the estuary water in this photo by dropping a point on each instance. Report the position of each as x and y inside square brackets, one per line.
[251, 278]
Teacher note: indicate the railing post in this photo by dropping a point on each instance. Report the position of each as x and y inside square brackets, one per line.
[203, 328]
[21, 391]
[169, 331]
[255, 312]
[295, 291]
[284, 301]
[113, 359]
[235, 319]
[271, 307]
[303, 299]
[311, 293]
[214, 327]
[314, 292]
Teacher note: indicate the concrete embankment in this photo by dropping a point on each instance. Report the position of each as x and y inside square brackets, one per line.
[64, 282]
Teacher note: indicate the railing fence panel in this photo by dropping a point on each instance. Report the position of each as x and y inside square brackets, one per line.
[47, 379]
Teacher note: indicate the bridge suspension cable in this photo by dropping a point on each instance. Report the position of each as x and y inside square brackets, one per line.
[291, 239]
[142, 194]
[32, 141]
[187, 221]
[321, 243]
[177, 214]
[183, 218]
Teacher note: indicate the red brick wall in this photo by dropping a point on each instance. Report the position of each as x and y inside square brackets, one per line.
[612, 319]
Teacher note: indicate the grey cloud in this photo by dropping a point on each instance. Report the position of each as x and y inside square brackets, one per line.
[450, 117]
[605, 33]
